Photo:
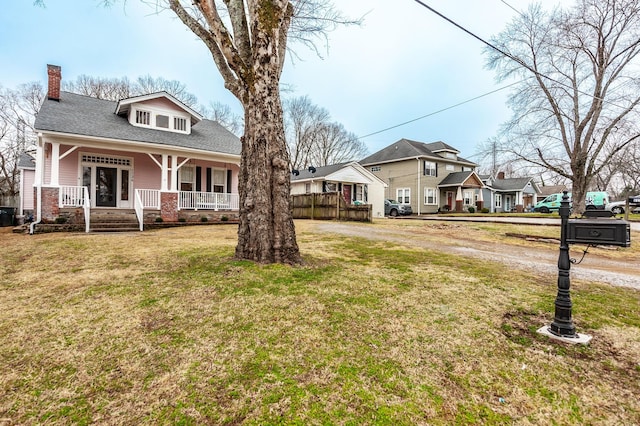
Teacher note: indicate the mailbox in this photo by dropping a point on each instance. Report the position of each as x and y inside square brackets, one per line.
[603, 232]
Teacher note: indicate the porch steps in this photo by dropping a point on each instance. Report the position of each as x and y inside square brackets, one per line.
[113, 220]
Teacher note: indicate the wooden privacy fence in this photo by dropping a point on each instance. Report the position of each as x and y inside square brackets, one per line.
[328, 206]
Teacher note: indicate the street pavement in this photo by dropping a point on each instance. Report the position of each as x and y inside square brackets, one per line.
[635, 226]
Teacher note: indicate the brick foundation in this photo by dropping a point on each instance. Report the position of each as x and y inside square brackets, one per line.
[169, 206]
[50, 208]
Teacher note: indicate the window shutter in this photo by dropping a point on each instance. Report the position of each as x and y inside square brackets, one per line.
[436, 169]
[198, 178]
[208, 180]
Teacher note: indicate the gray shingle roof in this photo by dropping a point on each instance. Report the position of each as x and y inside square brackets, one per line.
[320, 172]
[87, 116]
[405, 148]
[26, 161]
[455, 179]
[511, 184]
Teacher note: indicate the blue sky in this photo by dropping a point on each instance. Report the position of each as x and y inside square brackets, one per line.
[404, 62]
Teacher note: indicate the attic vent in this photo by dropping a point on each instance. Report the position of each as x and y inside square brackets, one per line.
[96, 159]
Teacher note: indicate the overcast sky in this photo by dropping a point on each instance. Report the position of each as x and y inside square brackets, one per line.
[404, 62]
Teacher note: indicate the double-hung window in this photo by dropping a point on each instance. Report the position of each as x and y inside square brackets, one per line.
[430, 168]
[468, 196]
[430, 196]
[404, 195]
[498, 200]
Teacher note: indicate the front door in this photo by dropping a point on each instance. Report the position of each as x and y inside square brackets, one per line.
[450, 202]
[346, 193]
[106, 187]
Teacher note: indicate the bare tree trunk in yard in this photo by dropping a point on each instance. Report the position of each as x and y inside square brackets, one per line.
[266, 233]
[249, 50]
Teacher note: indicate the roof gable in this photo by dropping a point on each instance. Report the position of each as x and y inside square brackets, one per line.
[512, 184]
[407, 149]
[467, 179]
[344, 172]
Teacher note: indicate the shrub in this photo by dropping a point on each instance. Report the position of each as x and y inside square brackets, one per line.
[485, 210]
[472, 209]
[204, 219]
[60, 220]
[159, 219]
[224, 218]
[182, 219]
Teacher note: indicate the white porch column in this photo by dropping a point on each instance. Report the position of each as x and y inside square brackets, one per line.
[165, 171]
[39, 175]
[55, 164]
[418, 194]
[174, 172]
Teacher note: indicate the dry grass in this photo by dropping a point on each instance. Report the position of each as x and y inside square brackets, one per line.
[164, 327]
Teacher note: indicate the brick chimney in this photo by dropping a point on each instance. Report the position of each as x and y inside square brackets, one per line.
[500, 175]
[55, 75]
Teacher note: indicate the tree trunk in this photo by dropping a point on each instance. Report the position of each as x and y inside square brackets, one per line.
[266, 232]
[579, 185]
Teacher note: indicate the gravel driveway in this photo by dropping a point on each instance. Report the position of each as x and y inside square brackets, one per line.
[533, 259]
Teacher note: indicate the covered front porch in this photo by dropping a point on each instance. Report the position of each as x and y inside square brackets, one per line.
[461, 191]
[83, 178]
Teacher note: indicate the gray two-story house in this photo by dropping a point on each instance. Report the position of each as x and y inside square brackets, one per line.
[431, 177]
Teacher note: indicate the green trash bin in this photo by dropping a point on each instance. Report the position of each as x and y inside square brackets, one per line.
[7, 216]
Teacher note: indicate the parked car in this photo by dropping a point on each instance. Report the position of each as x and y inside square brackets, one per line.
[393, 208]
[617, 207]
[593, 200]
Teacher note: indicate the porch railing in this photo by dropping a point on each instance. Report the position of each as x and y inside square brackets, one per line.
[192, 200]
[72, 196]
[76, 196]
[87, 209]
[149, 198]
[145, 199]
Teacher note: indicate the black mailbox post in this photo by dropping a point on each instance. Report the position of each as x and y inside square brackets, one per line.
[603, 231]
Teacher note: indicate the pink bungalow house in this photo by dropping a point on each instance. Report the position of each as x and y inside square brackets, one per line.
[150, 156]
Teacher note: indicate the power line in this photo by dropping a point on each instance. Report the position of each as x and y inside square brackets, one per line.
[508, 55]
[440, 110]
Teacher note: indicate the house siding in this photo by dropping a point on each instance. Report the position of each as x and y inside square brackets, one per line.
[401, 174]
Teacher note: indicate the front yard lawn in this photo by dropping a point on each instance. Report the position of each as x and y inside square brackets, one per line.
[164, 327]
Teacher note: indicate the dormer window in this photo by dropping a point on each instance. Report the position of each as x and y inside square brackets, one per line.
[159, 111]
[162, 121]
[180, 124]
[172, 121]
[143, 117]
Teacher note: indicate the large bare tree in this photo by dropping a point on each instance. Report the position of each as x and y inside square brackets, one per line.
[579, 108]
[314, 140]
[17, 114]
[248, 42]
[115, 89]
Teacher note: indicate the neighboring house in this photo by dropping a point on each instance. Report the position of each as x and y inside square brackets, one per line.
[545, 191]
[430, 177]
[356, 184]
[150, 153]
[509, 194]
[27, 167]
